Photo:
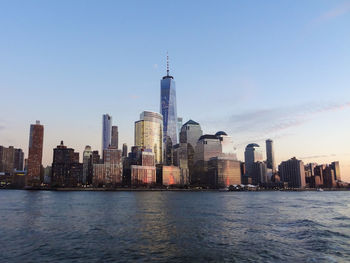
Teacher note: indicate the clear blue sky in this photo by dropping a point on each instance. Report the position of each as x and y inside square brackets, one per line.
[255, 69]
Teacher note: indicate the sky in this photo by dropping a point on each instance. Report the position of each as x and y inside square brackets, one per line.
[255, 69]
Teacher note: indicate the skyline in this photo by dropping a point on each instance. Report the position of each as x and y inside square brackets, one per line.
[240, 85]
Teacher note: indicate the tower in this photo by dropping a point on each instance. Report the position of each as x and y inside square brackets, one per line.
[106, 131]
[149, 133]
[270, 155]
[35, 154]
[168, 108]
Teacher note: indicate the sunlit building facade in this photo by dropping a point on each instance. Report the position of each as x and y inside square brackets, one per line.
[35, 154]
[149, 133]
[168, 108]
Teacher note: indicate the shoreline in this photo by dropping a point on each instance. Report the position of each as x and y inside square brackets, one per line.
[82, 189]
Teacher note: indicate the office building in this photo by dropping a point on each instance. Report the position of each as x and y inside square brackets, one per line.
[35, 154]
[252, 154]
[209, 146]
[336, 169]
[149, 133]
[109, 173]
[125, 150]
[168, 109]
[66, 169]
[258, 173]
[223, 172]
[293, 173]
[106, 131]
[87, 154]
[115, 137]
[270, 155]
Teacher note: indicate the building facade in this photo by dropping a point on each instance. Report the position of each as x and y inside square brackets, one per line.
[106, 131]
[149, 133]
[168, 109]
[35, 154]
[293, 173]
[270, 155]
[115, 136]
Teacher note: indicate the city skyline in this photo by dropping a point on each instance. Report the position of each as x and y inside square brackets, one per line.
[263, 94]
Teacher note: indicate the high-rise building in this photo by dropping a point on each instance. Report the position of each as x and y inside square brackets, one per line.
[270, 155]
[168, 109]
[86, 163]
[224, 172]
[293, 173]
[252, 154]
[210, 146]
[35, 154]
[336, 168]
[125, 150]
[190, 133]
[258, 173]
[7, 159]
[109, 173]
[115, 135]
[179, 126]
[66, 169]
[149, 133]
[18, 160]
[106, 131]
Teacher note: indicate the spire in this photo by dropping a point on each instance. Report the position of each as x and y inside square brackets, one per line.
[167, 64]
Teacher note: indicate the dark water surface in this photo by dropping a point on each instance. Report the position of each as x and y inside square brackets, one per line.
[42, 226]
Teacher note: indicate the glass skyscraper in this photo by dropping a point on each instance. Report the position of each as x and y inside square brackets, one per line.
[168, 108]
[149, 133]
[106, 131]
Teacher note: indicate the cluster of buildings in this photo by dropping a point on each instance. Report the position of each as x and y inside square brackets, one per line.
[166, 152]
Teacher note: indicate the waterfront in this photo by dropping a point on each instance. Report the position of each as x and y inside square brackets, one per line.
[47, 226]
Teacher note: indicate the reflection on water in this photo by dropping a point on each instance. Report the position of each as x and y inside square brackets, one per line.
[174, 226]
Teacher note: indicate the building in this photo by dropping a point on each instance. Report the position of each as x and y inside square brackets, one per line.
[258, 173]
[171, 176]
[252, 154]
[35, 154]
[87, 154]
[125, 150]
[115, 137]
[168, 108]
[109, 173]
[66, 169]
[209, 146]
[7, 160]
[336, 169]
[106, 131]
[179, 126]
[149, 133]
[293, 173]
[144, 174]
[270, 155]
[190, 133]
[223, 172]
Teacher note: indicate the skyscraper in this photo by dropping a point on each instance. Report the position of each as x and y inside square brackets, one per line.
[125, 150]
[35, 154]
[270, 155]
[149, 133]
[252, 154]
[168, 108]
[86, 163]
[293, 172]
[106, 131]
[114, 139]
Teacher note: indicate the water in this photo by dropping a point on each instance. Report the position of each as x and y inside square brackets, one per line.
[42, 226]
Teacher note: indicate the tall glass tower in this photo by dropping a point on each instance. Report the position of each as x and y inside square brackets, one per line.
[106, 131]
[168, 108]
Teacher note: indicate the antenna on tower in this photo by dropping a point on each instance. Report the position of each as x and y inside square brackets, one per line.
[167, 64]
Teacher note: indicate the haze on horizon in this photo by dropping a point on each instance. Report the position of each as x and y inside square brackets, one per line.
[255, 69]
